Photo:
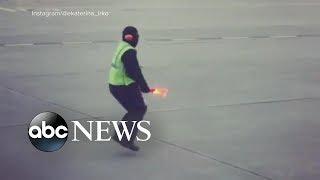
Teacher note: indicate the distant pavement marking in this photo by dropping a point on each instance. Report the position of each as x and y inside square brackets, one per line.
[22, 44]
[76, 42]
[7, 9]
[21, 9]
[235, 37]
[292, 36]
[196, 39]
[184, 39]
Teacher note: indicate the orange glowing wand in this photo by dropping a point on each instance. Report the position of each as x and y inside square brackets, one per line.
[162, 92]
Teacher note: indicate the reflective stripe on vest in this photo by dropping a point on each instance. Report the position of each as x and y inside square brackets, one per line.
[117, 75]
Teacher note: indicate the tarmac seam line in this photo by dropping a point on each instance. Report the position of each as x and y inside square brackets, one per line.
[237, 104]
[212, 158]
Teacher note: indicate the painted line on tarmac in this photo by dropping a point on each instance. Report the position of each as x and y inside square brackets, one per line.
[47, 43]
[208, 38]
[186, 108]
[308, 35]
[259, 36]
[207, 156]
[292, 36]
[158, 39]
[76, 42]
[19, 44]
[184, 39]
[7, 9]
[12, 10]
[21, 9]
[197, 39]
[235, 37]
[103, 41]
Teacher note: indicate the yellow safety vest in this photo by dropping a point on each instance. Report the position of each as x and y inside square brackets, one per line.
[117, 74]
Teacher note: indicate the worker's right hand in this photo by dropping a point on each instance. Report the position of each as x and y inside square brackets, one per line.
[152, 90]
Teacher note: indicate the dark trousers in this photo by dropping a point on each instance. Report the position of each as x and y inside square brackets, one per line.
[131, 99]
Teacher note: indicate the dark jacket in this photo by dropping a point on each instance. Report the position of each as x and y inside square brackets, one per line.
[132, 68]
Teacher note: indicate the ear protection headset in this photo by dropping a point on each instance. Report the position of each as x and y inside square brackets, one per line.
[128, 37]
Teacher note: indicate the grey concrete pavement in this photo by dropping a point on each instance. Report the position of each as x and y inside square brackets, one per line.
[243, 79]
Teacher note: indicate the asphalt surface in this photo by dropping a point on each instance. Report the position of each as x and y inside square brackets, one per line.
[243, 79]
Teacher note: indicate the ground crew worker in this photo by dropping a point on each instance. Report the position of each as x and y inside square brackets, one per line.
[126, 83]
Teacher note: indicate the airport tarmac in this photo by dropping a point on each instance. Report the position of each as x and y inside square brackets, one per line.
[243, 79]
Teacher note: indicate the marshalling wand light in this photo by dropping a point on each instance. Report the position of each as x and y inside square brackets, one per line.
[162, 92]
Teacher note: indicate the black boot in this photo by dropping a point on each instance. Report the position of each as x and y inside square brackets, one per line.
[132, 146]
[126, 144]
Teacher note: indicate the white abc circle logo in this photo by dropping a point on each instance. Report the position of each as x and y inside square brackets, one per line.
[44, 128]
[48, 131]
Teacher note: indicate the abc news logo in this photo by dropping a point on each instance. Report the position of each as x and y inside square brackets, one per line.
[48, 131]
